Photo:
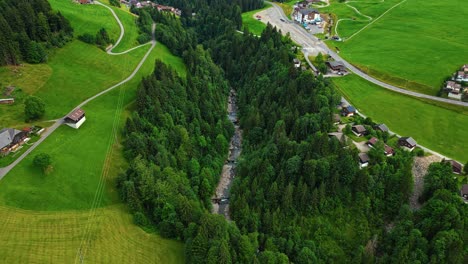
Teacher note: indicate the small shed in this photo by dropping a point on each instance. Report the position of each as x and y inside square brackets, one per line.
[7, 101]
[408, 143]
[76, 118]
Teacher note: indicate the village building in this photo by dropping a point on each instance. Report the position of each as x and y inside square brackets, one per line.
[388, 151]
[337, 66]
[363, 160]
[371, 142]
[408, 143]
[456, 167]
[297, 63]
[464, 191]
[461, 76]
[307, 15]
[7, 101]
[76, 118]
[359, 130]
[11, 139]
[381, 127]
[336, 119]
[84, 2]
[341, 137]
[348, 111]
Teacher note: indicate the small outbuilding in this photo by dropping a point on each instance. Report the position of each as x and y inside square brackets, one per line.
[76, 118]
[408, 143]
[363, 160]
[359, 130]
[7, 101]
[297, 63]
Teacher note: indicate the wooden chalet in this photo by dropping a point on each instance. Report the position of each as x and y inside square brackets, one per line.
[359, 130]
[381, 127]
[348, 111]
[464, 191]
[11, 139]
[456, 167]
[371, 142]
[408, 143]
[389, 151]
[336, 66]
[363, 160]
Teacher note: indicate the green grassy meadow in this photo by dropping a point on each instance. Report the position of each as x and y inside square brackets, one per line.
[254, 26]
[435, 126]
[46, 218]
[416, 45]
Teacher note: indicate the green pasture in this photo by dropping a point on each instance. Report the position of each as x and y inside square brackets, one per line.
[248, 20]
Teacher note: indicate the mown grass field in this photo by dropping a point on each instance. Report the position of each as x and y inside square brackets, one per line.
[416, 45]
[47, 218]
[436, 126]
[254, 26]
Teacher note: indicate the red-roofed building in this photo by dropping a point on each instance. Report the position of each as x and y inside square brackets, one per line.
[76, 118]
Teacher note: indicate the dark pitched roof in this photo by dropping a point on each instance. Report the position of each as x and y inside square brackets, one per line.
[307, 11]
[76, 115]
[363, 157]
[388, 149]
[7, 136]
[455, 164]
[464, 189]
[336, 64]
[409, 140]
[350, 109]
[359, 128]
[373, 140]
[382, 127]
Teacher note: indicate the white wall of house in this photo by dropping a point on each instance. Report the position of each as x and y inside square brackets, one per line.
[455, 96]
[78, 124]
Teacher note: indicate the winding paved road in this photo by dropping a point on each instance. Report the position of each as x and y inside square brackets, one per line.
[4, 171]
[312, 43]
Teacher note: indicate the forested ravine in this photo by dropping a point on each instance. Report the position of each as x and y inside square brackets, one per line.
[220, 200]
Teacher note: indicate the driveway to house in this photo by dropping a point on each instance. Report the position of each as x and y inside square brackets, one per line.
[4, 171]
[313, 45]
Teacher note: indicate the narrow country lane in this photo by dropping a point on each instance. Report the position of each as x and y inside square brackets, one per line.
[312, 43]
[4, 171]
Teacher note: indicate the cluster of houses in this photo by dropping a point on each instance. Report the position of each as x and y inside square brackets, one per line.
[303, 14]
[11, 139]
[455, 88]
[143, 4]
[406, 143]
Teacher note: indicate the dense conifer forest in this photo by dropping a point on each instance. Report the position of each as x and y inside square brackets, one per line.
[299, 196]
[28, 28]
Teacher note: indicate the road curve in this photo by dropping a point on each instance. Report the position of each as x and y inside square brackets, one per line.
[4, 171]
[301, 36]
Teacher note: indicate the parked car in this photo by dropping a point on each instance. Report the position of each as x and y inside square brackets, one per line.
[282, 20]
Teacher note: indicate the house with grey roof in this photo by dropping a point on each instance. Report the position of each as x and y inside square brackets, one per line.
[408, 143]
[10, 139]
[381, 127]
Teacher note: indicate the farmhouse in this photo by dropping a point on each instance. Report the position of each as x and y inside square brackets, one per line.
[359, 130]
[11, 139]
[371, 142]
[464, 191]
[388, 150]
[348, 111]
[76, 118]
[408, 143]
[306, 15]
[456, 167]
[336, 66]
[461, 76]
[84, 2]
[381, 127]
[363, 160]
